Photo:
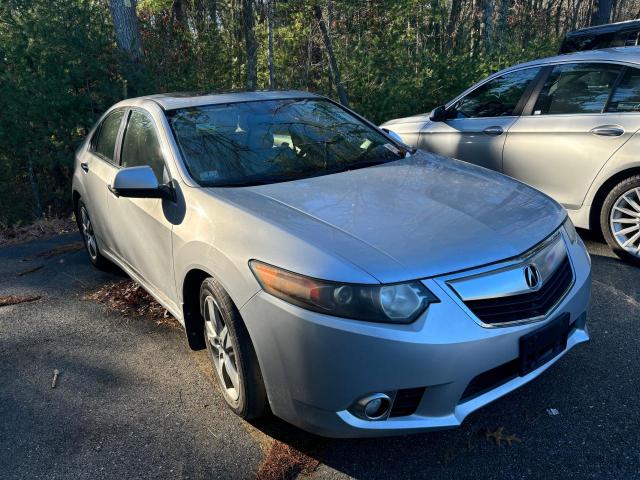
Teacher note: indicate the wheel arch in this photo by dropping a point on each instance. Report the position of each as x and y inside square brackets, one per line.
[193, 321]
[603, 191]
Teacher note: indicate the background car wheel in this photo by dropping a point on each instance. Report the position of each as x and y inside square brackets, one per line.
[231, 352]
[620, 219]
[88, 236]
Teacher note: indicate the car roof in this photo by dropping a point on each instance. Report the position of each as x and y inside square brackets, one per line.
[614, 54]
[172, 101]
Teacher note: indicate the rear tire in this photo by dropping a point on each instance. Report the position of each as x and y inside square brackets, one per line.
[620, 219]
[231, 353]
[89, 238]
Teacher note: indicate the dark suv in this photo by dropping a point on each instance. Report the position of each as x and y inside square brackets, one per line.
[621, 34]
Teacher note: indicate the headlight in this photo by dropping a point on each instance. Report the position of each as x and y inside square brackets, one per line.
[394, 303]
[571, 230]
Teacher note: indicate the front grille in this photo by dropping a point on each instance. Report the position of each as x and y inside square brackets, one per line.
[526, 305]
[406, 401]
[491, 379]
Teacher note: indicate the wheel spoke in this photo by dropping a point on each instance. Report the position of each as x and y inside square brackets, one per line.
[628, 229]
[232, 372]
[624, 220]
[631, 240]
[632, 202]
[627, 211]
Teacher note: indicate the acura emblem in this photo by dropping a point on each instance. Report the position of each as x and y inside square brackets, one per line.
[532, 276]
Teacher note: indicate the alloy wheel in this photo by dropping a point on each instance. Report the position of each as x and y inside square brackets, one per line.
[88, 234]
[222, 350]
[625, 221]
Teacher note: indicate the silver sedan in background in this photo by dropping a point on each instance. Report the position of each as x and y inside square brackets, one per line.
[565, 125]
[350, 285]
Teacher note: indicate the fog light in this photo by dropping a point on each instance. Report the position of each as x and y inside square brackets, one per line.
[373, 407]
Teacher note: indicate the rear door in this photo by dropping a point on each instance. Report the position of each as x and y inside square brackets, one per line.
[570, 127]
[98, 168]
[477, 123]
[143, 238]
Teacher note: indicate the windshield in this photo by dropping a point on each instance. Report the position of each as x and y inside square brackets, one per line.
[253, 143]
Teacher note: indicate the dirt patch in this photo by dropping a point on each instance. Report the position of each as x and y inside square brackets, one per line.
[66, 248]
[128, 298]
[42, 228]
[284, 462]
[7, 300]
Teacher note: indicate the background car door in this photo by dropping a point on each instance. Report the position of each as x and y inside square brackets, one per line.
[476, 129]
[571, 128]
[143, 237]
[98, 168]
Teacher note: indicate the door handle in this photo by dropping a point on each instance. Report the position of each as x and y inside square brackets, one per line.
[608, 131]
[84, 166]
[495, 131]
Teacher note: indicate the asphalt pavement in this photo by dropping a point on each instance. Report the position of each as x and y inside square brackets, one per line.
[132, 401]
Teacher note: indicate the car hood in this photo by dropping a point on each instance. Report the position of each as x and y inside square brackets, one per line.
[418, 217]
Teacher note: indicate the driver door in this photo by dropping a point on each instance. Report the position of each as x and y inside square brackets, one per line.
[142, 231]
[477, 124]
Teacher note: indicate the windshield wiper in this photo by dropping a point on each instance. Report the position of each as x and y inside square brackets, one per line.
[357, 165]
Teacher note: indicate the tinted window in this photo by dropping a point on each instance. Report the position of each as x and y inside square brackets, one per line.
[626, 96]
[140, 145]
[107, 135]
[576, 88]
[275, 140]
[496, 98]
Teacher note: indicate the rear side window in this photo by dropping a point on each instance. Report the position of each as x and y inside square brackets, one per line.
[576, 88]
[140, 145]
[496, 98]
[105, 143]
[626, 96]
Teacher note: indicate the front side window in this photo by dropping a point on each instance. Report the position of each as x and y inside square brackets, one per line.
[275, 140]
[576, 88]
[626, 96]
[496, 98]
[105, 143]
[140, 145]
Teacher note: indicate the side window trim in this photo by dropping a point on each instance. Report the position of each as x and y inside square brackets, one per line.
[517, 112]
[534, 87]
[123, 128]
[614, 87]
[528, 109]
[115, 161]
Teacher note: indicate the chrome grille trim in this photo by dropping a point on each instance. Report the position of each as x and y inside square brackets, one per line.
[504, 283]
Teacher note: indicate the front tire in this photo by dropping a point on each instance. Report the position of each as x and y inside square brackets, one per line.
[89, 237]
[620, 220]
[231, 353]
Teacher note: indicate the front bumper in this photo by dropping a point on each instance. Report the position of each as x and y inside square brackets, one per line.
[315, 366]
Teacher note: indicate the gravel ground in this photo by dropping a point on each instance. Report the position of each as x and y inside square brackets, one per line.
[132, 401]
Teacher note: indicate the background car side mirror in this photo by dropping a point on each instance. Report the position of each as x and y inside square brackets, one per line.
[393, 135]
[438, 114]
[140, 182]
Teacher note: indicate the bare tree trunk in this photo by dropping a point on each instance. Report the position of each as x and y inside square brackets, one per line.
[125, 23]
[251, 46]
[501, 24]
[454, 15]
[333, 65]
[35, 191]
[601, 12]
[272, 70]
[178, 13]
[487, 21]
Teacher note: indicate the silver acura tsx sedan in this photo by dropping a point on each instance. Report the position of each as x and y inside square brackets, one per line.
[565, 125]
[351, 285]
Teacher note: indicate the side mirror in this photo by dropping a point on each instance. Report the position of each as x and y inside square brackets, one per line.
[140, 182]
[438, 114]
[393, 135]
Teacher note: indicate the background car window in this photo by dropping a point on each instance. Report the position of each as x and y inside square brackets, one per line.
[576, 88]
[497, 98]
[106, 142]
[626, 96]
[140, 145]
